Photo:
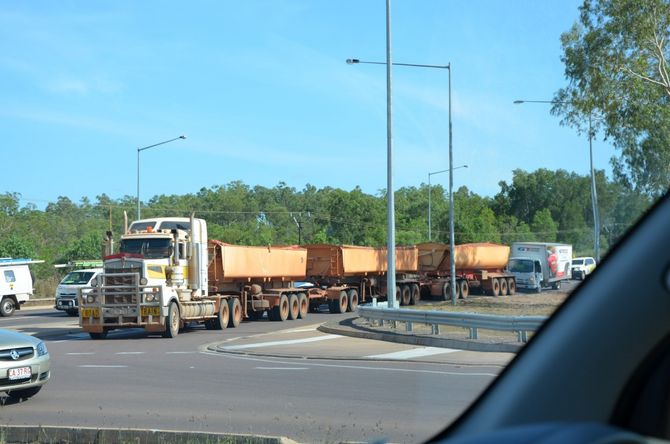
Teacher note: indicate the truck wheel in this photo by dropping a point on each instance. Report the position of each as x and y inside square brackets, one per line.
[446, 291]
[495, 287]
[7, 306]
[503, 287]
[223, 315]
[304, 305]
[511, 286]
[339, 305]
[352, 299]
[416, 294]
[101, 335]
[172, 321]
[538, 289]
[72, 312]
[235, 309]
[280, 311]
[556, 285]
[465, 289]
[406, 295]
[293, 307]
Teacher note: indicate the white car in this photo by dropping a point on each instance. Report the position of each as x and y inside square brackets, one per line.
[66, 292]
[25, 365]
[582, 266]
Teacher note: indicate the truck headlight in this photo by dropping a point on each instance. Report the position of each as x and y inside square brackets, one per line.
[90, 298]
[42, 349]
[143, 281]
[150, 297]
[531, 280]
[94, 282]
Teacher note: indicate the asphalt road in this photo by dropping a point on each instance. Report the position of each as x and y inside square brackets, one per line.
[132, 380]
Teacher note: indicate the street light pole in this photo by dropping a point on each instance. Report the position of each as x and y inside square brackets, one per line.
[391, 223]
[594, 195]
[430, 192]
[390, 200]
[138, 167]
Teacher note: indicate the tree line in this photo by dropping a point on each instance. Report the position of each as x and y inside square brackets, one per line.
[544, 205]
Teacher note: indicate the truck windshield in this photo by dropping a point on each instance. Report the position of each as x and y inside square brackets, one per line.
[520, 266]
[149, 248]
[77, 278]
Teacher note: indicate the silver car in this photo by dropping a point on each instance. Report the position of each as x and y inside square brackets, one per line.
[24, 364]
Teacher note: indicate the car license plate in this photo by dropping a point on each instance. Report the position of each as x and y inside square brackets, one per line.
[90, 312]
[151, 311]
[19, 373]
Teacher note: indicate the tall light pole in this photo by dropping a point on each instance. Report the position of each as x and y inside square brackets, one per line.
[430, 237]
[388, 64]
[139, 150]
[594, 195]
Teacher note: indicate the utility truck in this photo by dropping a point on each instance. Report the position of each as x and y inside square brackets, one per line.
[167, 274]
[16, 283]
[539, 265]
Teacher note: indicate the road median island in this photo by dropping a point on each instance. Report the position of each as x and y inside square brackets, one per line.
[44, 434]
[455, 337]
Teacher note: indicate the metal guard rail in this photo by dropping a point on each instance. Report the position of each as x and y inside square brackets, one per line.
[472, 321]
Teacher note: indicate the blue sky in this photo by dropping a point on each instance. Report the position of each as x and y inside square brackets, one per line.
[263, 93]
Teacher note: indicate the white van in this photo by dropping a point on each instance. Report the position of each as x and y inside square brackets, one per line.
[66, 292]
[16, 284]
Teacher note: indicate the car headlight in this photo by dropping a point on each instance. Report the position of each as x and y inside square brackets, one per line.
[41, 349]
[90, 298]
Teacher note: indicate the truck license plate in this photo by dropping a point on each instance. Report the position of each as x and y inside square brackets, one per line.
[19, 373]
[90, 312]
[151, 311]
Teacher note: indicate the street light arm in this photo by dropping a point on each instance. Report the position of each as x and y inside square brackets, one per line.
[161, 143]
[355, 61]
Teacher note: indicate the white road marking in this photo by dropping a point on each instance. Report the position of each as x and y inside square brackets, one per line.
[352, 367]
[282, 368]
[102, 366]
[413, 353]
[80, 353]
[180, 353]
[274, 343]
[129, 353]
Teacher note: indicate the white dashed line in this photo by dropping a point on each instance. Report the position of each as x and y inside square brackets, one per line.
[282, 368]
[80, 354]
[129, 353]
[102, 366]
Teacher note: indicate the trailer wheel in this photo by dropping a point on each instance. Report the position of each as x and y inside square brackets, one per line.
[511, 286]
[352, 299]
[495, 287]
[339, 305]
[7, 306]
[223, 315]
[304, 305]
[280, 311]
[293, 306]
[235, 312]
[406, 295]
[446, 291]
[172, 321]
[415, 294]
[503, 287]
[465, 289]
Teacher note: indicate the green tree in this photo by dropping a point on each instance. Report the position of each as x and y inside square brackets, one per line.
[616, 65]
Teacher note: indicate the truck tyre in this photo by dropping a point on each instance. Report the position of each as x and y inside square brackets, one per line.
[446, 291]
[340, 304]
[172, 321]
[235, 309]
[352, 299]
[511, 286]
[503, 287]
[495, 287]
[293, 307]
[7, 306]
[280, 311]
[101, 335]
[465, 289]
[304, 305]
[72, 312]
[538, 289]
[406, 295]
[222, 316]
[556, 285]
[24, 393]
[415, 294]
[254, 315]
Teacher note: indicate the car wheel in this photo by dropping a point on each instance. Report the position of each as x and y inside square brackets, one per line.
[24, 393]
[7, 306]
